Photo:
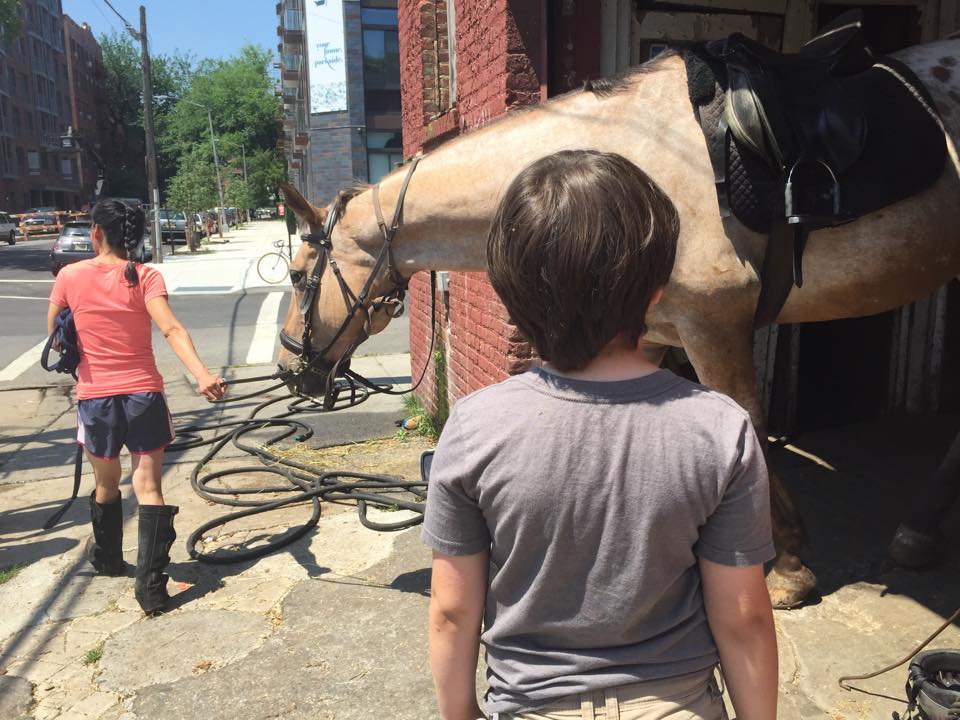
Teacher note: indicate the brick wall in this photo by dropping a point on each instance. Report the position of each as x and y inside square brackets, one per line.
[499, 67]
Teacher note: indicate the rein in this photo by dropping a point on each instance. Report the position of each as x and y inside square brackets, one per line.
[313, 361]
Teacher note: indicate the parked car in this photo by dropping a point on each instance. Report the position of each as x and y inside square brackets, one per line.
[228, 214]
[39, 225]
[8, 229]
[74, 245]
[265, 213]
[173, 226]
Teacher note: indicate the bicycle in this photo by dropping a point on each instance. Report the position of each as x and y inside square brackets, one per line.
[274, 267]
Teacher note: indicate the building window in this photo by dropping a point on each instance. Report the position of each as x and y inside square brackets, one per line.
[384, 151]
[33, 162]
[438, 35]
[381, 57]
[6, 158]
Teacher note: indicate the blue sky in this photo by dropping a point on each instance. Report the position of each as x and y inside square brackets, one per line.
[205, 28]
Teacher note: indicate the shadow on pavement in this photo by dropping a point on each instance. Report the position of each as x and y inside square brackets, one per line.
[852, 510]
[34, 255]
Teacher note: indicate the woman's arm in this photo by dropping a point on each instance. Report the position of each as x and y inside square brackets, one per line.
[741, 620]
[457, 596]
[52, 311]
[210, 386]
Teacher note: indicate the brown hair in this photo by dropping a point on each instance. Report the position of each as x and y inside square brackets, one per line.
[580, 243]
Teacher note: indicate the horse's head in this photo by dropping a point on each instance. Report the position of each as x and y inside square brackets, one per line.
[345, 289]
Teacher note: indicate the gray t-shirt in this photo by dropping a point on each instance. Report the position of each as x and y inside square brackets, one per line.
[595, 500]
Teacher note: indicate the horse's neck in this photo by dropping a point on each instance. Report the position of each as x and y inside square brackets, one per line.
[454, 191]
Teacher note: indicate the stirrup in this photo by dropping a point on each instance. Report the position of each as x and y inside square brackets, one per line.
[804, 197]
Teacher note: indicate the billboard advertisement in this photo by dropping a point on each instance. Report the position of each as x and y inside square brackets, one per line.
[325, 53]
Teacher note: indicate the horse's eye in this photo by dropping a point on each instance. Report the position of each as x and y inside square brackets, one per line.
[296, 276]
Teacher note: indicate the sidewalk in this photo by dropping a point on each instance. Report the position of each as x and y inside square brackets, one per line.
[273, 638]
[223, 266]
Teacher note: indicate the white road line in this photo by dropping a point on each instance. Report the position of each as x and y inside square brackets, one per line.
[265, 332]
[23, 363]
[21, 297]
[26, 282]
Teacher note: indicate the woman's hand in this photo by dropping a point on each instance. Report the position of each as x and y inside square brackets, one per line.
[212, 387]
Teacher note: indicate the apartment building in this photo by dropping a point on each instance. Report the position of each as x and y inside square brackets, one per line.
[36, 99]
[294, 88]
[355, 123]
[84, 59]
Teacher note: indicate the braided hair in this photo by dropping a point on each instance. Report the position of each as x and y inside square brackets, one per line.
[123, 227]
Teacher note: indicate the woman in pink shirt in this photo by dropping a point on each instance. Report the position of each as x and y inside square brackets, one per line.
[120, 397]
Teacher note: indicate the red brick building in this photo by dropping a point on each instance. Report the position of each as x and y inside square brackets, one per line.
[84, 60]
[464, 63]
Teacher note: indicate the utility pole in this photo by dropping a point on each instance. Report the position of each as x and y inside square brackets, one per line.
[216, 164]
[153, 190]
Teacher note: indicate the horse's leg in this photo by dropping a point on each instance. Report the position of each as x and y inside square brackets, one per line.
[916, 543]
[723, 358]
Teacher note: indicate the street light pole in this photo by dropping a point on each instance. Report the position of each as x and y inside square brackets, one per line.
[216, 164]
[216, 161]
[243, 154]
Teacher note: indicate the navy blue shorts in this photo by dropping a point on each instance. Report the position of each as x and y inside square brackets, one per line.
[140, 421]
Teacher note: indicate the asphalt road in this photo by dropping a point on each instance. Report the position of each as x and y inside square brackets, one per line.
[229, 329]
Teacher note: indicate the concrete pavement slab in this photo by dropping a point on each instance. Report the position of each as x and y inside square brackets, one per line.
[178, 645]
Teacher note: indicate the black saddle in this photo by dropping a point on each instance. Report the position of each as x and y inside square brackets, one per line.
[810, 140]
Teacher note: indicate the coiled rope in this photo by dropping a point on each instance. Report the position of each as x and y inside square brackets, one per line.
[301, 483]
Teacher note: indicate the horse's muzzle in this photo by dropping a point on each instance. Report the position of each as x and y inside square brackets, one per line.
[311, 383]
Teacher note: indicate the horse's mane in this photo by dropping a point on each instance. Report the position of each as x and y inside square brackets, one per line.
[605, 87]
[346, 195]
[602, 88]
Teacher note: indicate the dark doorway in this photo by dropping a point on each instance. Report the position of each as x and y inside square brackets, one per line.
[888, 28]
[844, 365]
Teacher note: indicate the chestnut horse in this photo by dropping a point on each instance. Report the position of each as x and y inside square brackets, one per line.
[883, 260]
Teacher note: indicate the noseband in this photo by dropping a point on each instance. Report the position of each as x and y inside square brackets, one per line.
[313, 361]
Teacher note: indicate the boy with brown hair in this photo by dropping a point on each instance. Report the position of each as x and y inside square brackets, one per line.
[606, 521]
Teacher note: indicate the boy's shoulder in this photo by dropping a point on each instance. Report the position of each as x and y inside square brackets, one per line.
[667, 394]
[714, 399]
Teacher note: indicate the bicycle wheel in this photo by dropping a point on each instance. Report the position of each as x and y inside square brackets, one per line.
[273, 268]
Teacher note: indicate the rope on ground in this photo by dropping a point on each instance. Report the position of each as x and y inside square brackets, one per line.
[301, 483]
[846, 679]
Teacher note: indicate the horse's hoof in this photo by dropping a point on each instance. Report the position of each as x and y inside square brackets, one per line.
[914, 549]
[790, 588]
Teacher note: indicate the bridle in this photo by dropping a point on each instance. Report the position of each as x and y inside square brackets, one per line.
[313, 361]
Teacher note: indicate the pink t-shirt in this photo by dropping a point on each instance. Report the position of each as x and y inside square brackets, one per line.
[113, 327]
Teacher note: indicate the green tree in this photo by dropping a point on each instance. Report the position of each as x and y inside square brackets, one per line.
[239, 195]
[10, 22]
[123, 86]
[192, 190]
[265, 171]
[239, 93]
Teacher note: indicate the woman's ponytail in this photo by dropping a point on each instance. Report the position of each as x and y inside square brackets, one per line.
[133, 222]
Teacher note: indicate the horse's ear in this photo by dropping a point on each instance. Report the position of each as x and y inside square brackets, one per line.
[302, 208]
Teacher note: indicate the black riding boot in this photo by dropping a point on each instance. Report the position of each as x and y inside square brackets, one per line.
[105, 549]
[153, 556]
